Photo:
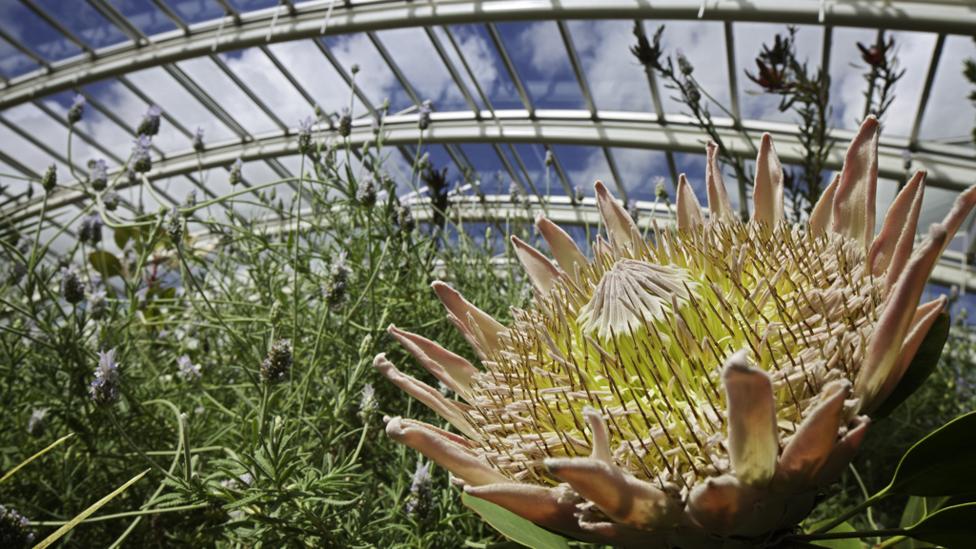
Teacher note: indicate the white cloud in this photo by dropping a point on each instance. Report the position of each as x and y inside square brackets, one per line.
[616, 79]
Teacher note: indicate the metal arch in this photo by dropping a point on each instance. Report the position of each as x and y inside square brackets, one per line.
[251, 29]
[947, 167]
[498, 208]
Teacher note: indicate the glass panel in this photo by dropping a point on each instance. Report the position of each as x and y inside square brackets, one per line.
[749, 41]
[489, 169]
[33, 32]
[541, 61]
[144, 15]
[847, 85]
[314, 72]
[254, 68]
[375, 78]
[703, 43]
[475, 54]
[13, 62]
[195, 11]
[251, 5]
[616, 80]
[131, 109]
[413, 52]
[46, 130]
[12, 184]
[487, 65]
[85, 22]
[584, 166]
[231, 99]
[949, 113]
[640, 170]
[533, 157]
[174, 99]
[914, 55]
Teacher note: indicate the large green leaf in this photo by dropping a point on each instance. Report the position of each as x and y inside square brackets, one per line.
[105, 263]
[513, 526]
[916, 509]
[950, 527]
[941, 464]
[122, 235]
[850, 543]
[921, 367]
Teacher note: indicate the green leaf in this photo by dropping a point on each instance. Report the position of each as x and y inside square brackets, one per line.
[850, 543]
[921, 367]
[122, 235]
[941, 464]
[105, 263]
[22, 464]
[87, 512]
[915, 510]
[513, 526]
[950, 527]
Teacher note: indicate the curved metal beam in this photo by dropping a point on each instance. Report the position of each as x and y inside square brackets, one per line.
[951, 268]
[306, 21]
[948, 167]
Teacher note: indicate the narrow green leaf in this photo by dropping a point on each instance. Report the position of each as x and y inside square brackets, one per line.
[513, 526]
[950, 527]
[50, 447]
[105, 263]
[87, 512]
[941, 464]
[921, 367]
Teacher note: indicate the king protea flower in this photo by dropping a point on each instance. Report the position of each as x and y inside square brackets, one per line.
[701, 386]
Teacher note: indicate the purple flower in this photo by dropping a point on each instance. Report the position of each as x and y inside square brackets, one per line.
[14, 529]
[98, 174]
[423, 120]
[420, 493]
[90, 231]
[275, 367]
[150, 122]
[367, 402]
[141, 161]
[235, 172]
[35, 424]
[198, 145]
[111, 200]
[72, 290]
[104, 389]
[305, 134]
[50, 179]
[345, 123]
[77, 109]
[188, 370]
